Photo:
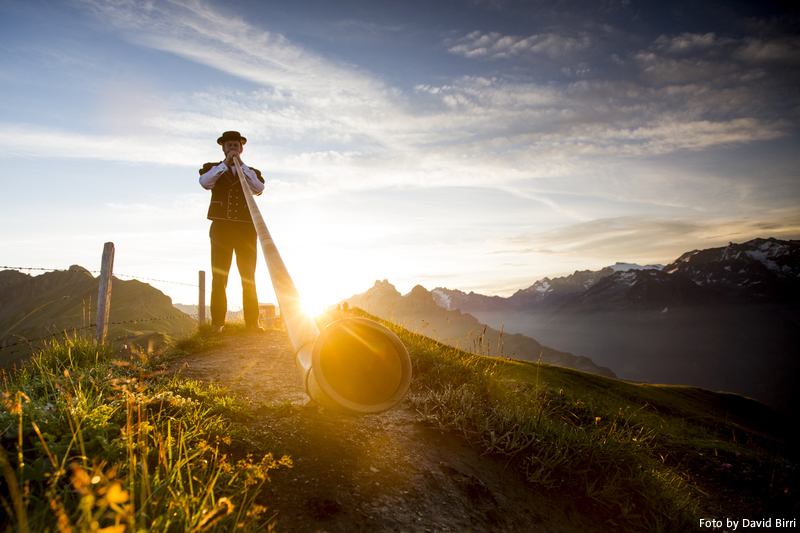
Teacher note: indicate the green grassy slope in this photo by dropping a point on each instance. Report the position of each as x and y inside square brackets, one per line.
[35, 306]
[89, 441]
[721, 412]
[640, 457]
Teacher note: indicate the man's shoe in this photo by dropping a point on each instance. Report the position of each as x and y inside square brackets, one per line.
[254, 329]
[218, 329]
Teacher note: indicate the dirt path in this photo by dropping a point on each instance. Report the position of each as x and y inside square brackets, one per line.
[379, 473]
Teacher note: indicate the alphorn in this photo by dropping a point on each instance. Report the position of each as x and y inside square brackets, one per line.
[354, 365]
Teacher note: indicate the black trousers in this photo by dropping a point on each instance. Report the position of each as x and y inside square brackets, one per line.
[227, 238]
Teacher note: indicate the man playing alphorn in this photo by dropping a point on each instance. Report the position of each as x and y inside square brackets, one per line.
[232, 230]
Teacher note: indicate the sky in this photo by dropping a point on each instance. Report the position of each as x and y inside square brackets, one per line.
[478, 145]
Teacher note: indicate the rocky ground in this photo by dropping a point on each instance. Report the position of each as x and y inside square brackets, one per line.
[385, 472]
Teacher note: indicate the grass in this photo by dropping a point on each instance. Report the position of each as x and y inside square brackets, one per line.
[89, 442]
[638, 457]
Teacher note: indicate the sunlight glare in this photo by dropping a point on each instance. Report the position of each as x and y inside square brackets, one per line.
[315, 306]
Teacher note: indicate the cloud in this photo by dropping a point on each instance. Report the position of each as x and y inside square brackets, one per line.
[644, 238]
[494, 45]
[596, 117]
[22, 140]
[784, 51]
[195, 30]
[605, 236]
[688, 42]
[323, 126]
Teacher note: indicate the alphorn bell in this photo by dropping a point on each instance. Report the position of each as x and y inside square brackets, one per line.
[355, 365]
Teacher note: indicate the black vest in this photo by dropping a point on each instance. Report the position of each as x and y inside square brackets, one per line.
[227, 197]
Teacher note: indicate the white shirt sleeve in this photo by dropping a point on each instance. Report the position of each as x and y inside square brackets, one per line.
[256, 187]
[210, 178]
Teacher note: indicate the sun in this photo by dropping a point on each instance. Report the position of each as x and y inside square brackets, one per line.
[314, 306]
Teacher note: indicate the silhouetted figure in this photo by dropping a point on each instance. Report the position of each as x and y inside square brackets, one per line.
[232, 230]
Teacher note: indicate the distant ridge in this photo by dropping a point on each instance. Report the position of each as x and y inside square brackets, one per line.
[53, 302]
[546, 292]
[418, 311]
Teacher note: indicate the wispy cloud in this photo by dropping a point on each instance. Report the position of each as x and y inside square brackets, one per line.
[784, 51]
[307, 96]
[603, 236]
[341, 127]
[494, 45]
[688, 42]
[650, 239]
[198, 31]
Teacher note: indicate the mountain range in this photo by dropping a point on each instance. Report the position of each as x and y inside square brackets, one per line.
[723, 318]
[419, 312]
[33, 307]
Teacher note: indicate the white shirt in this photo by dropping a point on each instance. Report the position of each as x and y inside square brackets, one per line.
[209, 179]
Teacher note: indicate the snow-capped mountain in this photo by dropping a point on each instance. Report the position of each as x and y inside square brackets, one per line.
[545, 292]
[760, 266]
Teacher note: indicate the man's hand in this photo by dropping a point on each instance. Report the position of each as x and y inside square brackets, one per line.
[229, 155]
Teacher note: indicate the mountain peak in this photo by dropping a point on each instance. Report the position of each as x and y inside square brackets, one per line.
[758, 263]
[624, 267]
[419, 291]
[79, 269]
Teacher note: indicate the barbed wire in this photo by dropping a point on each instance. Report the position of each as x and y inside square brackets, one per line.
[98, 272]
[48, 269]
[158, 280]
[76, 329]
[69, 330]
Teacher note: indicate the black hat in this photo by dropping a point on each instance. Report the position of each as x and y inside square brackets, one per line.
[231, 136]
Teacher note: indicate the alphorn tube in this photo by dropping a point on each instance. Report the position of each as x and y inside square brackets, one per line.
[354, 365]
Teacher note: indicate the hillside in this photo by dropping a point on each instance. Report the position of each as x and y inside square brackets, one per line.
[419, 312]
[725, 318]
[54, 302]
[480, 444]
[411, 470]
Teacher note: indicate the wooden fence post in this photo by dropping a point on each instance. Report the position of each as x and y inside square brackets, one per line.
[104, 293]
[201, 298]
